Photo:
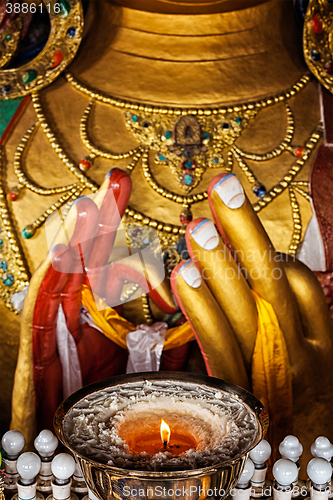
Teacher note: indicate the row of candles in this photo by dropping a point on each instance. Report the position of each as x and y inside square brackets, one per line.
[33, 475]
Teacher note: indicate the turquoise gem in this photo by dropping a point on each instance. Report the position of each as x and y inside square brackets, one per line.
[1, 243]
[27, 232]
[215, 160]
[161, 157]
[134, 118]
[188, 164]
[188, 179]
[206, 135]
[3, 265]
[64, 8]
[146, 241]
[168, 134]
[9, 280]
[238, 120]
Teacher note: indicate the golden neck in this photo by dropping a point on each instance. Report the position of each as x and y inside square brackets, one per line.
[189, 6]
[184, 60]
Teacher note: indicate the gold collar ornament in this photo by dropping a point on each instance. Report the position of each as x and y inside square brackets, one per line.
[14, 273]
[66, 20]
[318, 40]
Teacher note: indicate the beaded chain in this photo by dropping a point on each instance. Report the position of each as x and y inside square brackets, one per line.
[195, 138]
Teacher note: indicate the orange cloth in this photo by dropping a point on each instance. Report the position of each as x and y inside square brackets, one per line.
[115, 328]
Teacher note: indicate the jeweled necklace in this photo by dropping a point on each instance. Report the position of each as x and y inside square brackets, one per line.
[191, 140]
[195, 136]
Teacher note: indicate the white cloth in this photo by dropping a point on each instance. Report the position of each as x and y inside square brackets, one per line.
[71, 370]
[18, 299]
[312, 252]
[145, 346]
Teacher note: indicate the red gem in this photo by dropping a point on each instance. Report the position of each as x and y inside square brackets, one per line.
[317, 24]
[186, 217]
[84, 164]
[13, 194]
[299, 152]
[328, 67]
[56, 58]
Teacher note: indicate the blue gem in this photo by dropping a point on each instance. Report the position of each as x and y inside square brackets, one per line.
[238, 120]
[260, 190]
[225, 125]
[161, 157]
[71, 32]
[3, 265]
[315, 55]
[6, 89]
[9, 280]
[134, 118]
[206, 135]
[215, 160]
[168, 134]
[188, 164]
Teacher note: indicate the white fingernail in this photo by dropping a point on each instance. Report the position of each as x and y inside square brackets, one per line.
[190, 274]
[205, 235]
[230, 191]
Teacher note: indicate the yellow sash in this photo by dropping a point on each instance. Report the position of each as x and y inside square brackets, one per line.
[271, 377]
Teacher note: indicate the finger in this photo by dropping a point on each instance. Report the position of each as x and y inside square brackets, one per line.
[47, 304]
[131, 269]
[47, 367]
[112, 200]
[220, 350]
[259, 262]
[225, 281]
[80, 247]
[309, 294]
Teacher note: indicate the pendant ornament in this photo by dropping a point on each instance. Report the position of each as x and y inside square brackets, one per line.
[190, 144]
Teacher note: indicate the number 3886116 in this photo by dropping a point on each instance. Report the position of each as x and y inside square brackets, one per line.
[32, 8]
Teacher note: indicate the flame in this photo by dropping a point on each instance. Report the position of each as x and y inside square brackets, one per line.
[165, 432]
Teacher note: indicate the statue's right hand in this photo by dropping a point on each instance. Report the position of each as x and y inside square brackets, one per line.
[90, 229]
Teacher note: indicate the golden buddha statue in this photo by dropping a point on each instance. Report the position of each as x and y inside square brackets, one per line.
[174, 93]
